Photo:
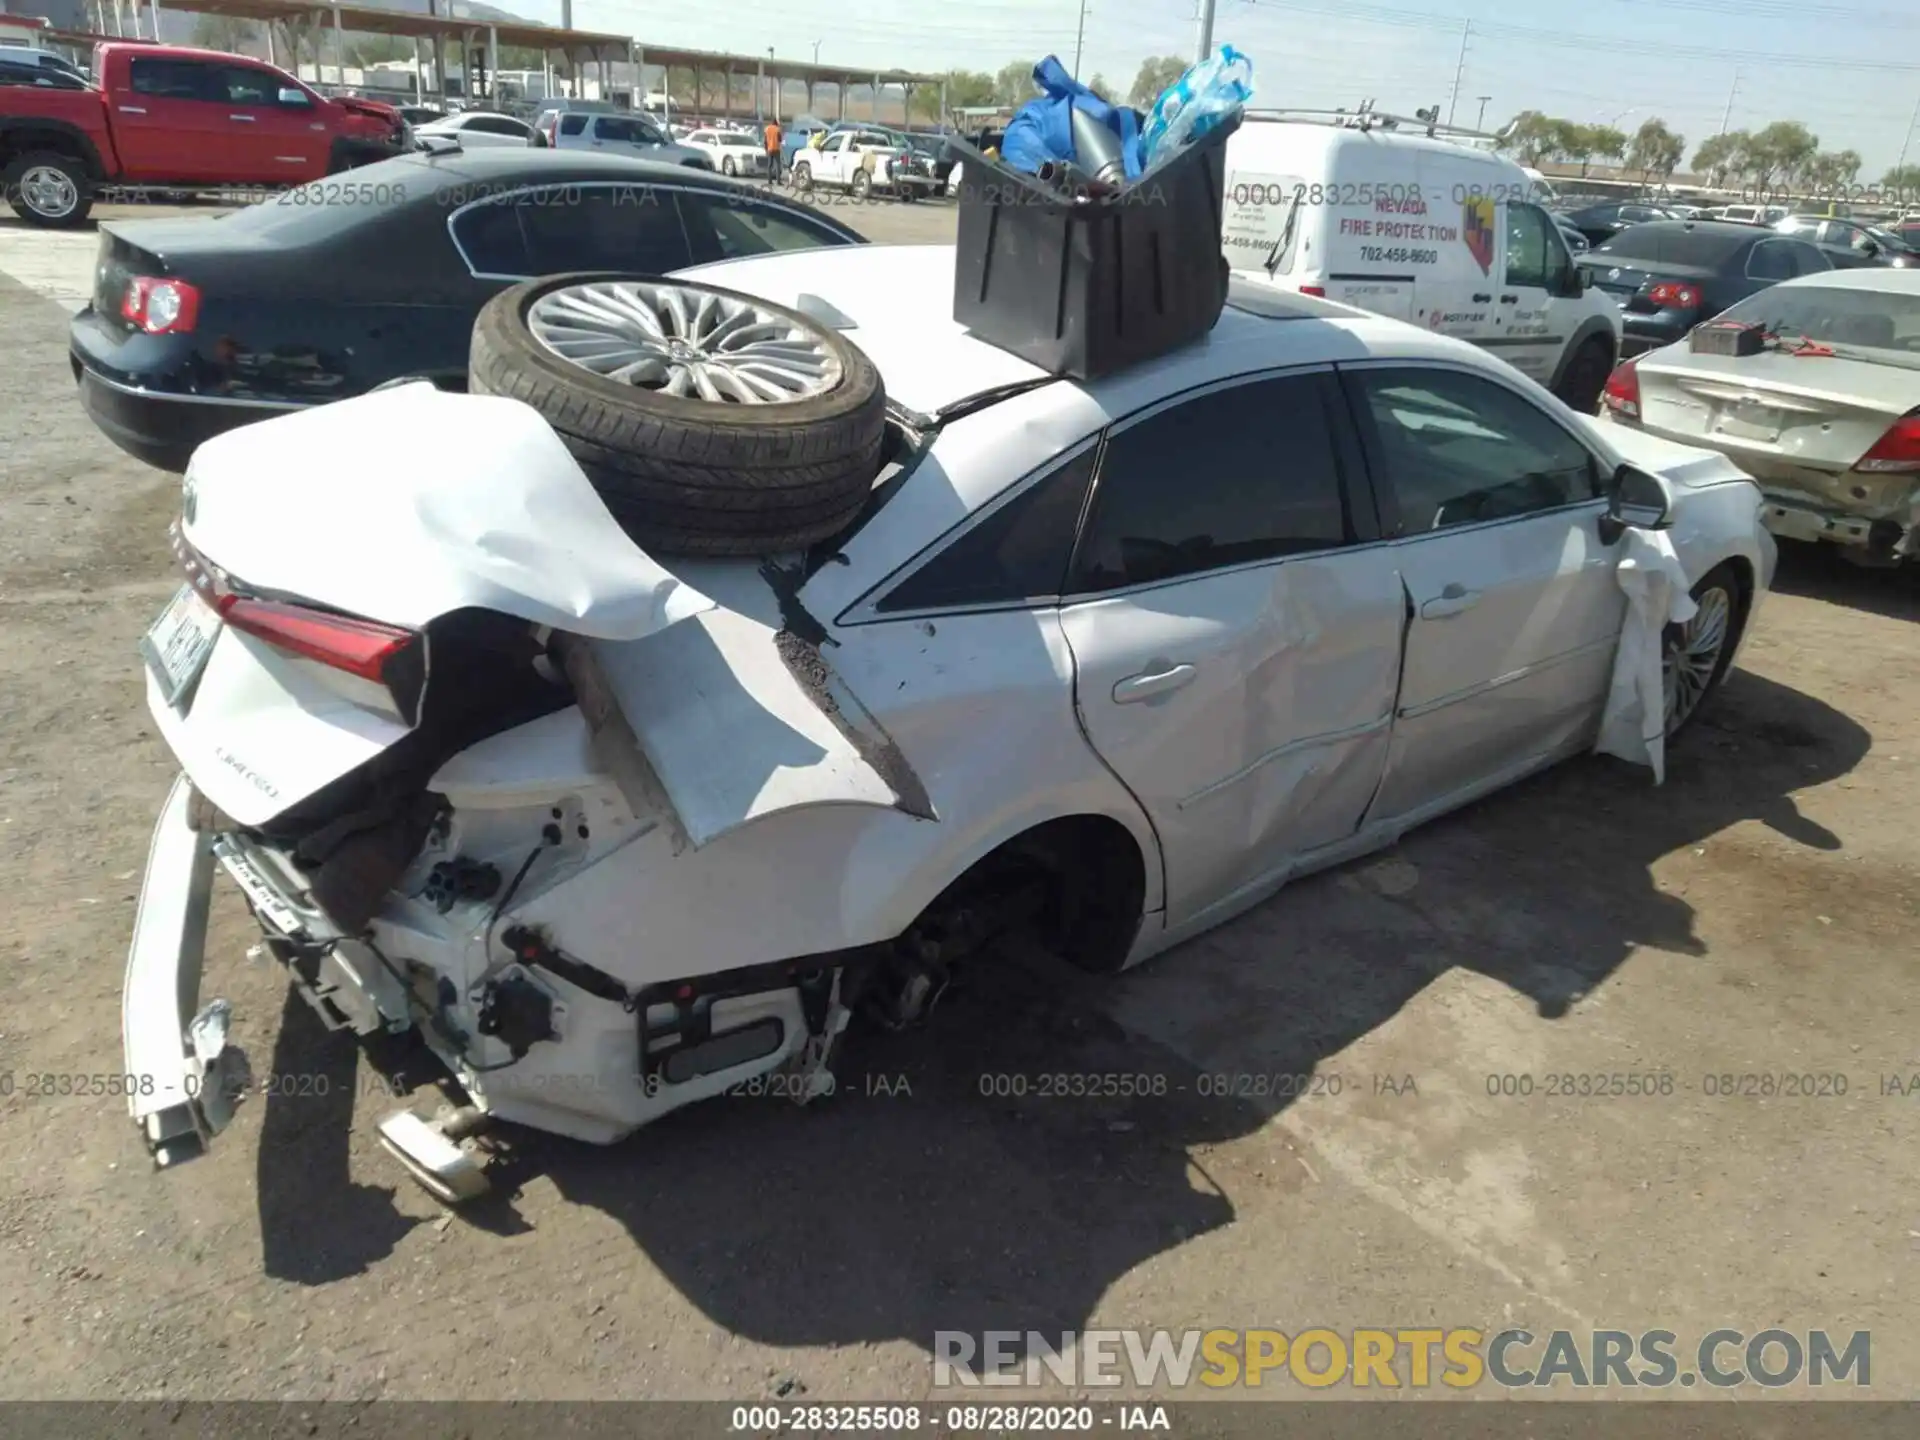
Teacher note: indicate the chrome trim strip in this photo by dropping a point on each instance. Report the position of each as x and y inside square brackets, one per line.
[1308, 742]
[1414, 712]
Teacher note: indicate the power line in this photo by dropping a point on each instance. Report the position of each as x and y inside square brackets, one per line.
[1611, 44]
[1784, 10]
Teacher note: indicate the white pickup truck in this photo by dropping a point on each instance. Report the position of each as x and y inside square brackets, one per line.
[857, 160]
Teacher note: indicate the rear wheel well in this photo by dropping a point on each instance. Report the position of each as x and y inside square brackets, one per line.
[1078, 883]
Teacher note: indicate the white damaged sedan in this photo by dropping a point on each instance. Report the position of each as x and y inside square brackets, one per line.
[616, 831]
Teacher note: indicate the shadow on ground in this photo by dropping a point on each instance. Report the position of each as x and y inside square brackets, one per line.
[1823, 572]
[927, 1196]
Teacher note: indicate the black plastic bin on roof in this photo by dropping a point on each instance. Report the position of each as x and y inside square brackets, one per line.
[1086, 289]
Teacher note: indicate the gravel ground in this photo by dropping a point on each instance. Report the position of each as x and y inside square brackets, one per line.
[1755, 916]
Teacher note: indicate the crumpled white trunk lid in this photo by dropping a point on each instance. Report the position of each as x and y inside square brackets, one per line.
[408, 504]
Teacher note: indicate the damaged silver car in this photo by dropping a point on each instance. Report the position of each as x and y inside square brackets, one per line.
[616, 827]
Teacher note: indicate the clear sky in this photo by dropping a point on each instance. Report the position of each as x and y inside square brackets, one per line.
[1850, 71]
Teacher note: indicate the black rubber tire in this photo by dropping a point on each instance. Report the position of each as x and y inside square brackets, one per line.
[803, 178]
[726, 167]
[1585, 377]
[71, 166]
[861, 185]
[1724, 577]
[689, 477]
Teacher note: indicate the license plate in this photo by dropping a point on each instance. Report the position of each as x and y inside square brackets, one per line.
[178, 644]
[1748, 422]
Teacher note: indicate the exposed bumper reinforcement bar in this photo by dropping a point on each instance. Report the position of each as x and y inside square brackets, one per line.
[184, 1076]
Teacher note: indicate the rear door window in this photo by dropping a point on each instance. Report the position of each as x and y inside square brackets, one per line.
[490, 237]
[1017, 555]
[1772, 260]
[175, 80]
[573, 124]
[1202, 485]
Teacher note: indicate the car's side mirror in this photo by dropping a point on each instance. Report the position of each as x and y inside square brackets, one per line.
[291, 96]
[1635, 501]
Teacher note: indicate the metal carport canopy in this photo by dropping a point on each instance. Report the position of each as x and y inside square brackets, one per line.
[365, 19]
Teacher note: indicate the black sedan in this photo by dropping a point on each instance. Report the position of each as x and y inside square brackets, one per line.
[201, 325]
[1669, 275]
[1600, 223]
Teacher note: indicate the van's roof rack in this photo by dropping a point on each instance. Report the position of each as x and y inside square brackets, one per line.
[1365, 117]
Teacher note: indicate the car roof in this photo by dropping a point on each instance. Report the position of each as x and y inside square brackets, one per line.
[899, 300]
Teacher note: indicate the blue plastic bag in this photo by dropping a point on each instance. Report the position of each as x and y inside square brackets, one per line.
[1207, 94]
[1042, 130]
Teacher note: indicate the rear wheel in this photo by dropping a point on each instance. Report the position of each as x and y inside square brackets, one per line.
[862, 184]
[48, 189]
[711, 423]
[803, 178]
[1586, 376]
[1697, 653]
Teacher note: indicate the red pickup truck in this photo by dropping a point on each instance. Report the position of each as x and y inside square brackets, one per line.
[169, 118]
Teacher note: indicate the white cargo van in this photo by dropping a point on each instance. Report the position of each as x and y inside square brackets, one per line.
[1392, 216]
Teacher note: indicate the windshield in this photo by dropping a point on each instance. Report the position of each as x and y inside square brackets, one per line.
[1867, 320]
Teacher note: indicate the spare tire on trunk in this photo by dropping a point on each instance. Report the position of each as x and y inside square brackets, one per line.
[711, 422]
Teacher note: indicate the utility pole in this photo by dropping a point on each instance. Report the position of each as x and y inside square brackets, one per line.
[1466, 29]
[1480, 120]
[1204, 47]
[1079, 39]
[1726, 119]
[1912, 120]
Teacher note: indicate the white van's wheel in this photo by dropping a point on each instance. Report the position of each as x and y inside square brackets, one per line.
[1586, 376]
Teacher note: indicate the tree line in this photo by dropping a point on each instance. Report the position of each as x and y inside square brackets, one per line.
[1784, 154]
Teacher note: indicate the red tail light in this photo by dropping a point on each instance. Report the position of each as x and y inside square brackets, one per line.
[1673, 295]
[392, 660]
[358, 647]
[1317, 290]
[1622, 394]
[160, 307]
[1896, 451]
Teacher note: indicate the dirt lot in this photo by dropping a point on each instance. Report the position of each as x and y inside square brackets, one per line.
[1756, 916]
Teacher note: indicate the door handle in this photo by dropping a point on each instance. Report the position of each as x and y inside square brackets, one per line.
[132, 110]
[1483, 299]
[1509, 299]
[1145, 686]
[1451, 601]
[244, 119]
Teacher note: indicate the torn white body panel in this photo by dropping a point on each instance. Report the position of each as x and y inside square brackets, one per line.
[407, 504]
[1633, 725]
[729, 730]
